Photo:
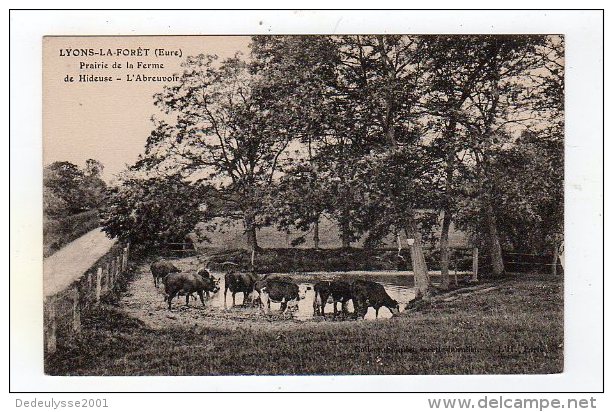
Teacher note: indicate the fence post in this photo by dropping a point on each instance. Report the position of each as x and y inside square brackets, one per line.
[76, 312]
[51, 326]
[554, 266]
[91, 283]
[475, 264]
[110, 275]
[107, 276]
[124, 260]
[98, 284]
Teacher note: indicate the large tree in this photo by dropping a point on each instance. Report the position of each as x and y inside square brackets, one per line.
[152, 212]
[384, 75]
[362, 99]
[302, 73]
[224, 132]
[499, 106]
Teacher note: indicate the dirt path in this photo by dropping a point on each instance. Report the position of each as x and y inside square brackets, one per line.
[70, 262]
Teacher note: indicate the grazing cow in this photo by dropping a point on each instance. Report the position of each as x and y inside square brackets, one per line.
[278, 291]
[187, 283]
[160, 269]
[367, 293]
[239, 282]
[338, 290]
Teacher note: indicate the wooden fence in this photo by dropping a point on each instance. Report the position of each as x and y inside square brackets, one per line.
[62, 311]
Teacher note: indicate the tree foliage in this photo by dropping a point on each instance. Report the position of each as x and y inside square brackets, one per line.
[371, 129]
[67, 189]
[150, 213]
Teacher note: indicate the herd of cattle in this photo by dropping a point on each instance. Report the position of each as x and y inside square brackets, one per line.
[261, 290]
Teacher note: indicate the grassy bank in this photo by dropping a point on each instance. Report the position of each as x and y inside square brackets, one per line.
[516, 328]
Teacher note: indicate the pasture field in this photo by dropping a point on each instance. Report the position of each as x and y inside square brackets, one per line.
[232, 236]
[512, 326]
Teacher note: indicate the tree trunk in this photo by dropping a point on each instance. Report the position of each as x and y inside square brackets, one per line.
[252, 239]
[475, 277]
[345, 234]
[418, 261]
[494, 242]
[554, 263]
[316, 233]
[444, 245]
[449, 169]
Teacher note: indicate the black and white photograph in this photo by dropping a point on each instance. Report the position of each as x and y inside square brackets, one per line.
[293, 209]
[359, 204]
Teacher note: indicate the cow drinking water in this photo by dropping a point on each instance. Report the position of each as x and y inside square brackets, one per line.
[187, 283]
[367, 293]
[337, 290]
[239, 282]
[281, 291]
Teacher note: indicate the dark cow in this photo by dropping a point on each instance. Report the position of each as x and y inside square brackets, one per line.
[239, 282]
[367, 293]
[160, 269]
[187, 283]
[278, 291]
[338, 290]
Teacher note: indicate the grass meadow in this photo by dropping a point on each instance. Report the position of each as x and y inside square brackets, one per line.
[516, 327]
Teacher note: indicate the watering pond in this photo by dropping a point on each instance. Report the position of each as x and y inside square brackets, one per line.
[399, 285]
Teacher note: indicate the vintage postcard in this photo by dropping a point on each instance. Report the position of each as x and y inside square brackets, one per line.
[303, 205]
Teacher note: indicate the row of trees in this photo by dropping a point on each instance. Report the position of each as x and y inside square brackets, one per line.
[69, 189]
[369, 130]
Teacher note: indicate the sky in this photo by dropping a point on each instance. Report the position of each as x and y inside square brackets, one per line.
[110, 121]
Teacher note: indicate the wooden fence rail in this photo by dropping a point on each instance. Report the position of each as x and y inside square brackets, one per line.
[62, 311]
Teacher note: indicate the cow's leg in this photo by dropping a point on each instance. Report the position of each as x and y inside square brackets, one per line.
[376, 313]
[170, 297]
[324, 300]
[187, 294]
[233, 299]
[201, 297]
[225, 293]
[264, 302]
[344, 307]
[335, 309]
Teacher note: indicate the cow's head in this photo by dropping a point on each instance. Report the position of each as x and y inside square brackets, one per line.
[394, 308]
[302, 291]
[212, 284]
[204, 273]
